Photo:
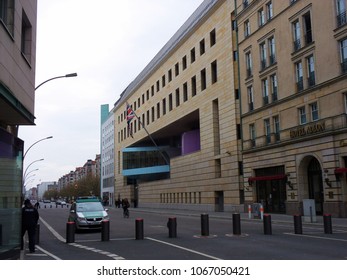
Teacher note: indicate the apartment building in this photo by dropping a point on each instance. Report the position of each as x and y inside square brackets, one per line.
[292, 69]
[107, 155]
[177, 136]
[17, 85]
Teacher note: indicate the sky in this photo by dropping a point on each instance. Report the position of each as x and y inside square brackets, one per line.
[107, 43]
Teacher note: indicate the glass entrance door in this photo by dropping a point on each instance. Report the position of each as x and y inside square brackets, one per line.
[315, 185]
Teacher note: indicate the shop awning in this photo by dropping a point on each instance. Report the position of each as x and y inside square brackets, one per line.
[340, 170]
[267, 178]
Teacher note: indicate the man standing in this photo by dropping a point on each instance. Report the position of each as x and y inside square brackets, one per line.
[30, 217]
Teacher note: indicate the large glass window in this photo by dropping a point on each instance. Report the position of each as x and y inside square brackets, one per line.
[296, 35]
[343, 51]
[341, 12]
[299, 76]
[302, 115]
[311, 80]
[249, 64]
[7, 14]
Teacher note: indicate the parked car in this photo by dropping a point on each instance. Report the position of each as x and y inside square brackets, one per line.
[87, 213]
[60, 202]
[46, 201]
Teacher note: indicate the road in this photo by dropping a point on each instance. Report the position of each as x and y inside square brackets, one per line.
[219, 244]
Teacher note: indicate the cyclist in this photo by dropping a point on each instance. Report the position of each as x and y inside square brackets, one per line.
[125, 205]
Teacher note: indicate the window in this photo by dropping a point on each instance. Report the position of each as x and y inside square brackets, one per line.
[163, 81]
[170, 102]
[153, 114]
[311, 81]
[26, 38]
[193, 86]
[213, 37]
[245, 3]
[192, 55]
[184, 62]
[177, 97]
[272, 50]
[250, 98]
[296, 35]
[158, 85]
[249, 71]
[152, 90]
[314, 111]
[214, 72]
[341, 12]
[164, 106]
[269, 11]
[247, 27]
[169, 73]
[252, 135]
[345, 99]
[147, 117]
[273, 81]
[202, 46]
[276, 123]
[177, 69]
[203, 79]
[267, 127]
[147, 95]
[7, 14]
[343, 51]
[265, 89]
[308, 28]
[158, 110]
[261, 17]
[185, 92]
[302, 115]
[263, 56]
[299, 77]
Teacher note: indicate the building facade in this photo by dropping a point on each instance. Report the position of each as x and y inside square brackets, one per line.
[177, 140]
[107, 155]
[17, 86]
[292, 69]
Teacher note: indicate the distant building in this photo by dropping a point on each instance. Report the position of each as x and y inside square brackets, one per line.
[107, 155]
[17, 98]
[43, 187]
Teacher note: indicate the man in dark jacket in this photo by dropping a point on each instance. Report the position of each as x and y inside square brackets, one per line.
[30, 217]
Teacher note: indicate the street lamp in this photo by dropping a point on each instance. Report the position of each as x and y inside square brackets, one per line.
[30, 165]
[58, 77]
[49, 137]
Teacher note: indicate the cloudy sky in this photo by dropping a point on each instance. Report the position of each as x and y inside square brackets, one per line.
[107, 43]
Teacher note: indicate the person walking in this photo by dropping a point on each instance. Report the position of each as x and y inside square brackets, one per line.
[125, 205]
[30, 217]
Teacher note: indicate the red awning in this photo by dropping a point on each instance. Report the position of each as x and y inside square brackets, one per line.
[267, 178]
[340, 170]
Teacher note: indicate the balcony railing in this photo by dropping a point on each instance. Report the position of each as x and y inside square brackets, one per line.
[297, 45]
[341, 19]
[311, 79]
[249, 72]
[308, 37]
[344, 66]
[250, 106]
[263, 64]
[272, 59]
[265, 100]
[274, 95]
[300, 85]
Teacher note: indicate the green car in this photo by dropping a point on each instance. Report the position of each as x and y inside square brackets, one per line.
[87, 213]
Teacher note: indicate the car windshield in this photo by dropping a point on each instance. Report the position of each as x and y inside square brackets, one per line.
[89, 206]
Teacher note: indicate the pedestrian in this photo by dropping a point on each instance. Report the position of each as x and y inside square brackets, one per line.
[37, 205]
[30, 217]
[125, 205]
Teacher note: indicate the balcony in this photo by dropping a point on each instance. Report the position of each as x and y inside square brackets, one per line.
[325, 126]
[341, 19]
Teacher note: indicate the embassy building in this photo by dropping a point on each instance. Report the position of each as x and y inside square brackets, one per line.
[245, 104]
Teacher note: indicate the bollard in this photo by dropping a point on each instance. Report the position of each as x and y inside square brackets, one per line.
[236, 224]
[297, 224]
[261, 212]
[0, 235]
[37, 234]
[45, 205]
[62, 206]
[249, 211]
[204, 225]
[70, 232]
[139, 229]
[328, 227]
[105, 230]
[267, 224]
[51, 206]
[172, 226]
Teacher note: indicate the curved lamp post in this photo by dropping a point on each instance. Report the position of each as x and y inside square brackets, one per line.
[49, 137]
[58, 77]
[30, 165]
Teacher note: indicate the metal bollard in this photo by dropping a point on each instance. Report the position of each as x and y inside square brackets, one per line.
[328, 227]
[37, 234]
[236, 224]
[70, 232]
[204, 225]
[297, 224]
[267, 224]
[172, 226]
[139, 229]
[105, 230]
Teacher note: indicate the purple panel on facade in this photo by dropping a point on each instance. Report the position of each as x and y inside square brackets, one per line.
[190, 141]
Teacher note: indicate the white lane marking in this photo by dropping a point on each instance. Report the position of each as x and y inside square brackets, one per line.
[62, 239]
[183, 248]
[47, 253]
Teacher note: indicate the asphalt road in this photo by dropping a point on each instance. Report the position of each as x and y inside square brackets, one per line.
[190, 244]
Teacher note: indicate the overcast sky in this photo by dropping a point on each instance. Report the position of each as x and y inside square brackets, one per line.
[107, 43]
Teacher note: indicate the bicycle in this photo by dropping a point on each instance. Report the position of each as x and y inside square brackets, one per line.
[126, 213]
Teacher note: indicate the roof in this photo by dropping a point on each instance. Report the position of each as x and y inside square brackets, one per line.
[184, 30]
